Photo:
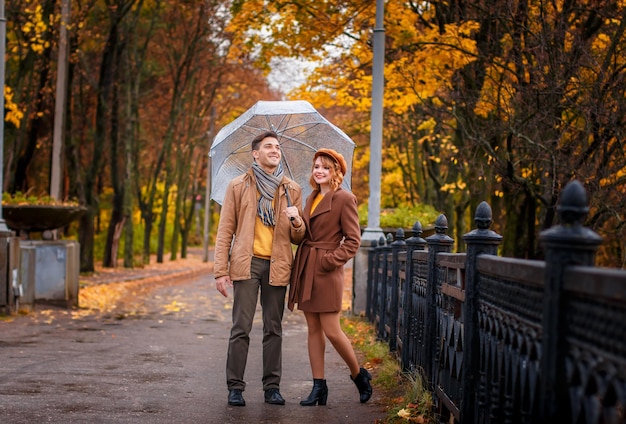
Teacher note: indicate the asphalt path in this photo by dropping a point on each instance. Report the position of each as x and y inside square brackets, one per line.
[158, 357]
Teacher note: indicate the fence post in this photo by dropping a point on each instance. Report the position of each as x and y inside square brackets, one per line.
[371, 275]
[438, 242]
[383, 250]
[479, 241]
[376, 283]
[569, 243]
[410, 322]
[396, 247]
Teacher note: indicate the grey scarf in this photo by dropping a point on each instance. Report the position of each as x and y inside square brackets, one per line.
[267, 184]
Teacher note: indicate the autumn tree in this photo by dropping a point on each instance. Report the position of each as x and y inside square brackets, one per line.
[143, 76]
[542, 104]
[484, 100]
[30, 31]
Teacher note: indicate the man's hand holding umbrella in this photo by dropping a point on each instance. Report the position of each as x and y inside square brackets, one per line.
[292, 213]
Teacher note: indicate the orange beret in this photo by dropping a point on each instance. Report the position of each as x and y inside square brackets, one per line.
[334, 155]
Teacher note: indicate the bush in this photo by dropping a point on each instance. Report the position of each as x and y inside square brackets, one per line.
[402, 217]
[20, 198]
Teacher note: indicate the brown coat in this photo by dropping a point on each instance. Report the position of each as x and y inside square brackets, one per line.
[332, 238]
[235, 234]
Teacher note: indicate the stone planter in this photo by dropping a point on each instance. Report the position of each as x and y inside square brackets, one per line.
[35, 218]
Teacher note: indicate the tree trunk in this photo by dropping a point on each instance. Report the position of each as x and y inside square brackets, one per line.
[146, 205]
[20, 180]
[145, 256]
[109, 259]
[116, 242]
[38, 126]
[129, 141]
[117, 213]
[92, 174]
[85, 238]
[163, 222]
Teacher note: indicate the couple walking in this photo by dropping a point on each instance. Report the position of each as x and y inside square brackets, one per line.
[261, 218]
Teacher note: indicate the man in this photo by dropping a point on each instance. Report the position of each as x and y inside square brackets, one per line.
[258, 223]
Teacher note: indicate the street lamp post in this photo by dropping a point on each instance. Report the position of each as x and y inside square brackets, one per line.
[5, 233]
[3, 37]
[373, 232]
[56, 175]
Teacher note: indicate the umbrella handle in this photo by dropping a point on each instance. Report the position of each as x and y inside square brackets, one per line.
[288, 199]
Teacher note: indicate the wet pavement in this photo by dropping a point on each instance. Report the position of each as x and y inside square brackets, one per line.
[158, 357]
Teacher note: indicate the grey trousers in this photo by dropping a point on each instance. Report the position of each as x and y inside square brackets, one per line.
[246, 293]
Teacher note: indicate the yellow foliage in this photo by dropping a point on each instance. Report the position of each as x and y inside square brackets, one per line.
[457, 186]
[174, 306]
[526, 172]
[427, 72]
[614, 178]
[269, 30]
[14, 115]
[497, 92]
[404, 413]
[427, 125]
[35, 28]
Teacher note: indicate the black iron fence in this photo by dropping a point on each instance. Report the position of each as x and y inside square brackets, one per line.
[503, 340]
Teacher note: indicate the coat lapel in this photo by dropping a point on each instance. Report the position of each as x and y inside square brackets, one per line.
[324, 205]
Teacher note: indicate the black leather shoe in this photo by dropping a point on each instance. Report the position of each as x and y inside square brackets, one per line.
[235, 398]
[273, 397]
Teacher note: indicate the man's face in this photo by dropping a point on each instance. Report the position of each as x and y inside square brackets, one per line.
[268, 156]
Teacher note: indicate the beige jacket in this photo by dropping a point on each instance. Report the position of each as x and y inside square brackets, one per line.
[235, 233]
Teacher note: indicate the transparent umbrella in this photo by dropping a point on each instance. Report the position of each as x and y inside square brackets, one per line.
[301, 130]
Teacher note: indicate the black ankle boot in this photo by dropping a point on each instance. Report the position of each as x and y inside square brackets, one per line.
[318, 395]
[362, 382]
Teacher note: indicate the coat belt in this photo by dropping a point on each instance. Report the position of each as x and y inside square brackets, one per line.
[305, 282]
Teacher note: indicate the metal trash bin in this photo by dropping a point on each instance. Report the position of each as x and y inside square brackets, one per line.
[26, 276]
[52, 273]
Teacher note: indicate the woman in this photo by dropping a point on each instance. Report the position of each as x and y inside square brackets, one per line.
[332, 238]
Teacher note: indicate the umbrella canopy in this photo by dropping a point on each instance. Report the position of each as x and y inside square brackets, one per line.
[301, 130]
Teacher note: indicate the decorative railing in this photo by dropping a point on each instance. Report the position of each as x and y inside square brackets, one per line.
[504, 340]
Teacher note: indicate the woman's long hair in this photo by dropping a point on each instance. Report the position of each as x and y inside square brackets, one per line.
[336, 176]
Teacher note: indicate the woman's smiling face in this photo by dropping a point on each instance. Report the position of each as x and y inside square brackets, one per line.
[321, 172]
